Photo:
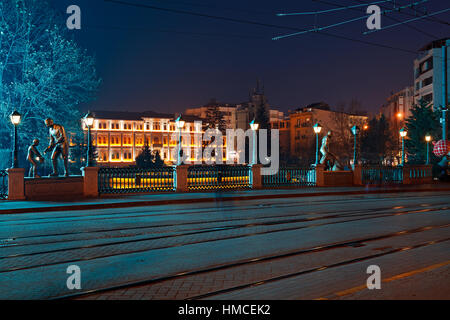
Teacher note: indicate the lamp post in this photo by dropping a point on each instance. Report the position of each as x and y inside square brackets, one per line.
[355, 131]
[254, 126]
[15, 117]
[403, 133]
[444, 123]
[317, 129]
[180, 125]
[428, 139]
[89, 122]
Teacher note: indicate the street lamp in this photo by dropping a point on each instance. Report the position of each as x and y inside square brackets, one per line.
[180, 125]
[254, 126]
[15, 117]
[355, 131]
[89, 122]
[444, 123]
[403, 134]
[317, 129]
[428, 139]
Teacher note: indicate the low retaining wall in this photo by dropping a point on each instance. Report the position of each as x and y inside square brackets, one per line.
[53, 188]
[338, 179]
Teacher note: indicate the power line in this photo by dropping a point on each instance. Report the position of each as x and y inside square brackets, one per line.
[389, 17]
[431, 19]
[242, 21]
[196, 4]
[339, 23]
[224, 35]
[328, 10]
[408, 21]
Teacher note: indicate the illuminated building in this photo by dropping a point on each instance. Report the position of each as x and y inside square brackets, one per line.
[120, 136]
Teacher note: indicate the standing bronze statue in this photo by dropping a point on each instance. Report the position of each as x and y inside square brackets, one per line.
[58, 145]
[328, 158]
[34, 157]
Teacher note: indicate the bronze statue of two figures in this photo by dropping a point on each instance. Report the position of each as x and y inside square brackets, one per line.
[59, 148]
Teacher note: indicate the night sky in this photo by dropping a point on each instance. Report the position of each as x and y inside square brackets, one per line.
[166, 62]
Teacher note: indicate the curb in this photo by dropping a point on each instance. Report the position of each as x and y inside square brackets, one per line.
[205, 200]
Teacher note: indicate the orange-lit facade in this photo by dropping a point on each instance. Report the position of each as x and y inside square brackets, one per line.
[120, 136]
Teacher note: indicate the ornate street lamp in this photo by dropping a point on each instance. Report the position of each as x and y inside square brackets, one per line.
[403, 134]
[355, 131]
[180, 125]
[317, 129]
[254, 126]
[15, 117]
[428, 139]
[89, 122]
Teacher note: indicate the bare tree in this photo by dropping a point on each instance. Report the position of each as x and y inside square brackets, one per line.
[43, 73]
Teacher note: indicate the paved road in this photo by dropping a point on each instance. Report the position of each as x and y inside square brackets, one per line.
[296, 248]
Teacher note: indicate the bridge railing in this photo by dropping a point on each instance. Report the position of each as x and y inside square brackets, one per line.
[135, 180]
[381, 175]
[3, 184]
[291, 177]
[420, 172]
[219, 177]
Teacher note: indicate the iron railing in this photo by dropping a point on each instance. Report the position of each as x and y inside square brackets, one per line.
[3, 184]
[135, 180]
[219, 177]
[420, 172]
[382, 175]
[291, 177]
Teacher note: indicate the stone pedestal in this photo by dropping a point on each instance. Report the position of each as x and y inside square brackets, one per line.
[320, 179]
[90, 183]
[256, 178]
[357, 175]
[181, 178]
[16, 184]
[54, 188]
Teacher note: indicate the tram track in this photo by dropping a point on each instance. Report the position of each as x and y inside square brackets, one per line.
[268, 259]
[92, 215]
[323, 215]
[99, 256]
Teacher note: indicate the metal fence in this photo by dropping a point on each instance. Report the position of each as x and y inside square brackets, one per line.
[420, 172]
[291, 177]
[382, 175]
[219, 177]
[135, 180]
[3, 184]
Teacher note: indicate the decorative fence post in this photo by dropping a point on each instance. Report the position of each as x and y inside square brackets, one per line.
[357, 175]
[181, 178]
[320, 175]
[406, 175]
[16, 184]
[256, 178]
[90, 181]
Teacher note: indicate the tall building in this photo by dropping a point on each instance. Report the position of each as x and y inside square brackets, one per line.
[227, 110]
[431, 70]
[120, 136]
[302, 136]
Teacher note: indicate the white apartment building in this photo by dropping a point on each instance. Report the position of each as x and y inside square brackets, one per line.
[431, 71]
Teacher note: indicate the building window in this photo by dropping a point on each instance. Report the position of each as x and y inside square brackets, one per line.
[427, 81]
[428, 97]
